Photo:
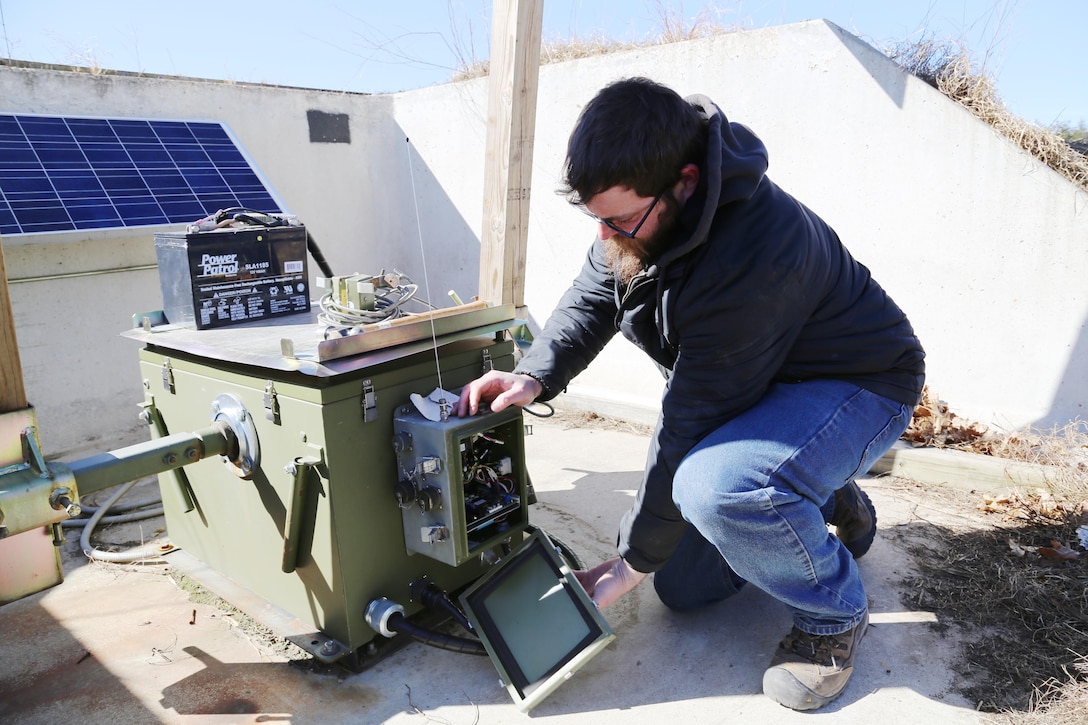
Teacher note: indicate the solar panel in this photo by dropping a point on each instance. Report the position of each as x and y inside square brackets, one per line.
[66, 173]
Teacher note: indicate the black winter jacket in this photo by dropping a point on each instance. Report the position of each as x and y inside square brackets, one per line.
[753, 289]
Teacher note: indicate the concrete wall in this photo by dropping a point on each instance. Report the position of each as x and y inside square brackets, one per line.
[982, 245]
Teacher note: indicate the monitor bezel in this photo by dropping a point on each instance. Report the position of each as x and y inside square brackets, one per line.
[528, 694]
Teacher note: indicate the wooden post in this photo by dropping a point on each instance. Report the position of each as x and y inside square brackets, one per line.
[12, 392]
[508, 165]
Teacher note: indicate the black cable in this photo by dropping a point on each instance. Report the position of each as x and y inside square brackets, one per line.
[249, 216]
[549, 414]
[315, 252]
[567, 553]
[398, 623]
[432, 596]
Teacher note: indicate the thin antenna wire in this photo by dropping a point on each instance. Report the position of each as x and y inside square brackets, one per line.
[443, 404]
[4, 23]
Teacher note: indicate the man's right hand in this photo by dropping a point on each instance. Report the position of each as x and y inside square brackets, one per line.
[500, 389]
[609, 580]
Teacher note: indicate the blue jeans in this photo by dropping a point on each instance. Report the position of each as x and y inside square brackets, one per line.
[752, 492]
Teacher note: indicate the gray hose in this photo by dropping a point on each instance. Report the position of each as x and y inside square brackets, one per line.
[119, 519]
[146, 551]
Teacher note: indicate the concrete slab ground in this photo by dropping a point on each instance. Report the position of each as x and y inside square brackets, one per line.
[123, 644]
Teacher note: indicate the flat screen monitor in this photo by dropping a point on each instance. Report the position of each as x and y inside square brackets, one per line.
[535, 619]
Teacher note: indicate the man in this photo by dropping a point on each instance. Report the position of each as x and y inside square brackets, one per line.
[789, 372]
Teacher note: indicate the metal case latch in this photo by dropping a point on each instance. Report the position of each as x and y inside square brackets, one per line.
[271, 403]
[167, 375]
[369, 402]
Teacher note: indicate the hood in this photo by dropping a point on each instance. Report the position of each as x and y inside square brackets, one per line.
[736, 161]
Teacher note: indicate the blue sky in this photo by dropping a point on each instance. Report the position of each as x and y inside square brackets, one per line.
[1034, 49]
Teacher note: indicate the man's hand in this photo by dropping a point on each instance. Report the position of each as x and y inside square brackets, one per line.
[609, 581]
[501, 389]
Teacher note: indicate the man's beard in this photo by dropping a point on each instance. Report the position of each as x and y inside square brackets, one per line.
[628, 257]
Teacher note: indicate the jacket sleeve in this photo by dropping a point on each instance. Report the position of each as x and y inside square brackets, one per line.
[577, 330]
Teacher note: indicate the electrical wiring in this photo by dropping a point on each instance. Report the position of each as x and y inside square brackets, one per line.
[389, 303]
[146, 551]
[548, 406]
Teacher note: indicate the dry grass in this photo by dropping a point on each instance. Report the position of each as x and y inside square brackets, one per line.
[670, 27]
[949, 68]
[1062, 449]
[1024, 614]
[1018, 581]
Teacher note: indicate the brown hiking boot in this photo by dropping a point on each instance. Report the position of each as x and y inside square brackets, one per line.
[854, 519]
[808, 671]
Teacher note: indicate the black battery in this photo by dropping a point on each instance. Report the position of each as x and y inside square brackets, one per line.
[229, 276]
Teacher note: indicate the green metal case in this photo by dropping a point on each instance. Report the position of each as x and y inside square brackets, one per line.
[313, 527]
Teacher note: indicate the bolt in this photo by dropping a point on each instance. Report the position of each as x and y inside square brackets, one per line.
[145, 416]
[147, 384]
[330, 648]
[170, 459]
[59, 500]
[192, 453]
[290, 469]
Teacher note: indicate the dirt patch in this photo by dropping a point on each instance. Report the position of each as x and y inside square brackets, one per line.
[570, 418]
[1014, 581]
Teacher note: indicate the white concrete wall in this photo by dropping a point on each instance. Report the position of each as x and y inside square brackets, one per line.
[981, 244]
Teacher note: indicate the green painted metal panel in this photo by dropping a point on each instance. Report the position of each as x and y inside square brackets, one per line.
[351, 543]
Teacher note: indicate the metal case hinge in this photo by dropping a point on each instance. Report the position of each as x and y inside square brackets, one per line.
[271, 403]
[369, 402]
[167, 375]
[488, 365]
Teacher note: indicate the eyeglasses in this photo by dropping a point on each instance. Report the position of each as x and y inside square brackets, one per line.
[611, 225]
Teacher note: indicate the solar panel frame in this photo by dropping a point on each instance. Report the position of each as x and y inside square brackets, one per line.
[75, 173]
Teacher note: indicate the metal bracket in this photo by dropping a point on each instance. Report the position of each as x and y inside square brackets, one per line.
[32, 451]
[369, 402]
[488, 365]
[229, 410]
[271, 403]
[167, 376]
[150, 415]
[300, 471]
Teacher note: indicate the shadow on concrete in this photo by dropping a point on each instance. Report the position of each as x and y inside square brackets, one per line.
[891, 78]
[1068, 404]
[51, 676]
[438, 249]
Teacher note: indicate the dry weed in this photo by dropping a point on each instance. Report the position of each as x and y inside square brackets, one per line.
[671, 27]
[949, 68]
[1019, 583]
